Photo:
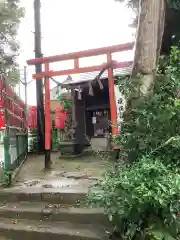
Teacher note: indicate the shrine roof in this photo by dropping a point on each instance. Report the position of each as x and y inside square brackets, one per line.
[90, 76]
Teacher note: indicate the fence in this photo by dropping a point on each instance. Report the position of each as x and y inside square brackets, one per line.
[13, 112]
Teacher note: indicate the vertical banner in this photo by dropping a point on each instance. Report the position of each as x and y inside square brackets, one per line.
[119, 106]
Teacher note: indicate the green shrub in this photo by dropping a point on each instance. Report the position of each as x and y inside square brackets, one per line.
[142, 199]
[156, 119]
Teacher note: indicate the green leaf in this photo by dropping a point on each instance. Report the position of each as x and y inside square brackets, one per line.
[157, 235]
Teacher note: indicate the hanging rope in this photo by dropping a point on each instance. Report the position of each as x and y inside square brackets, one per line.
[69, 78]
[68, 89]
[58, 83]
[100, 84]
[97, 78]
[79, 93]
[90, 89]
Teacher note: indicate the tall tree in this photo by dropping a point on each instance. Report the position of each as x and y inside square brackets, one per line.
[10, 17]
[172, 16]
[150, 29]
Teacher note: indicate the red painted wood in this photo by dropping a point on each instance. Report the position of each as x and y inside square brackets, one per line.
[80, 70]
[82, 54]
[112, 101]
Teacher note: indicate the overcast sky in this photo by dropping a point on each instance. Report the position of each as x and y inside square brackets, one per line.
[73, 25]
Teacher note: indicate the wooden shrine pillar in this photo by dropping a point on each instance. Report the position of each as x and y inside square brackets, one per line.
[113, 111]
[47, 120]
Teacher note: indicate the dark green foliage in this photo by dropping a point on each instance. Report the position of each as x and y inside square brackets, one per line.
[174, 4]
[54, 138]
[142, 196]
[142, 201]
[153, 126]
[67, 103]
[10, 16]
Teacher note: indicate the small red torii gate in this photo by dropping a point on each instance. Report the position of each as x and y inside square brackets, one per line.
[47, 73]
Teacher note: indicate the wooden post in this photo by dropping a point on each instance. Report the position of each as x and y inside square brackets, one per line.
[113, 111]
[47, 121]
[39, 82]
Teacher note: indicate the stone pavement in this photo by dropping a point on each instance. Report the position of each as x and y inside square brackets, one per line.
[50, 204]
[77, 172]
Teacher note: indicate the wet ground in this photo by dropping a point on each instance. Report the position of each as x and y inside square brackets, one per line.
[60, 193]
[76, 172]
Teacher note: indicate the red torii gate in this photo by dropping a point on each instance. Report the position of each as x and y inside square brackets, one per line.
[47, 73]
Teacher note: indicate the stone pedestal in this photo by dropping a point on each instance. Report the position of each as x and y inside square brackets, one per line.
[70, 148]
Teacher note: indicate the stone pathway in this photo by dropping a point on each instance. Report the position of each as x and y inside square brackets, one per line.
[78, 172]
[50, 204]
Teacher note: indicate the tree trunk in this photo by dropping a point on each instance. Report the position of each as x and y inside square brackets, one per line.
[161, 26]
[148, 44]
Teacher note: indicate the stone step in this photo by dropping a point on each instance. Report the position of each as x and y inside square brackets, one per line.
[36, 230]
[52, 212]
[65, 195]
